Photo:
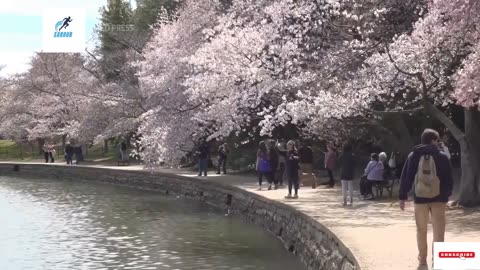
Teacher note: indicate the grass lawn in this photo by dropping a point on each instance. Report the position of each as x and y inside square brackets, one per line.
[10, 150]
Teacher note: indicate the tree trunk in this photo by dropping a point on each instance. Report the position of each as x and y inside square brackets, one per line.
[404, 142]
[470, 184]
[21, 150]
[64, 142]
[470, 151]
[40, 143]
[105, 147]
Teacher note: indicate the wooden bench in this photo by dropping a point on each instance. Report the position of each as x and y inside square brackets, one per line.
[318, 175]
[387, 185]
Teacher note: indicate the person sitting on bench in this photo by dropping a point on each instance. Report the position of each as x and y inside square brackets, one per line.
[373, 175]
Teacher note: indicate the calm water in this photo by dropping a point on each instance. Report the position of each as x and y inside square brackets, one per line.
[47, 224]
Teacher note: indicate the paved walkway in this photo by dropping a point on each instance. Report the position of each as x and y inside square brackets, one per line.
[380, 235]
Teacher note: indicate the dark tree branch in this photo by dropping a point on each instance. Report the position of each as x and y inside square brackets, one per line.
[414, 110]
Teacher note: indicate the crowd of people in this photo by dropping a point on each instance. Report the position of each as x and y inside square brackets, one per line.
[294, 162]
[427, 171]
[69, 151]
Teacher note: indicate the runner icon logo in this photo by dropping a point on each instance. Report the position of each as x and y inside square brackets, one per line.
[62, 25]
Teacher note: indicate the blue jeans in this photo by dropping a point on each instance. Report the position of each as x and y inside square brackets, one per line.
[202, 167]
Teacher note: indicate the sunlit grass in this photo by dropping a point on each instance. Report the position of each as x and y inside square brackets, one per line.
[10, 150]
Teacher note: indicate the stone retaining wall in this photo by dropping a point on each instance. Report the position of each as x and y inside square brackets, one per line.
[314, 244]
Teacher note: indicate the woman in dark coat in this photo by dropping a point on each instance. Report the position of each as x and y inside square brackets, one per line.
[347, 173]
[273, 155]
[291, 168]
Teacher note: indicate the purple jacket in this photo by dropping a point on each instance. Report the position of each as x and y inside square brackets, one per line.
[444, 173]
[374, 171]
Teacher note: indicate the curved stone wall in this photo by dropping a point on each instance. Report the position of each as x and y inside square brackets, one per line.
[314, 244]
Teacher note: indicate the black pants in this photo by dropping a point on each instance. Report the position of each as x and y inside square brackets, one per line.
[293, 182]
[273, 175]
[331, 181]
[49, 155]
[366, 187]
[222, 161]
[281, 173]
[261, 175]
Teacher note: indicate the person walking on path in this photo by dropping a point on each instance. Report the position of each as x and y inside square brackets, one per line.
[330, 158]
[373, 173]
[306, 165]
[429, 172]
[281, 166]
[273, 157]
[51, 152]
[45, 149]
[291, 168]
[347, 173]
[78, 153]
[123, 151]
[222, 158]
[69, 153]
[263, 165]
[387, 171]
[203, 156]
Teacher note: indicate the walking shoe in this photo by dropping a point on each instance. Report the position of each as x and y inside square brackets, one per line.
[289, 196]
[344, 201]
[270, 187]
[218, 173]
[422, 262]
[295, 196]
[259, 188]
[275, 187]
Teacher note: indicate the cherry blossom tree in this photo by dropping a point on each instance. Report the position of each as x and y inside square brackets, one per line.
[282, 62]
[169, 128]
[260, 64]
[432, 68]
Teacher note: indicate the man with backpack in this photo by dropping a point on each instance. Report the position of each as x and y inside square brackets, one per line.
[428, 170]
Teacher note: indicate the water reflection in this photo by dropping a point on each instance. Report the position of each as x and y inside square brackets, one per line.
[74, 225]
